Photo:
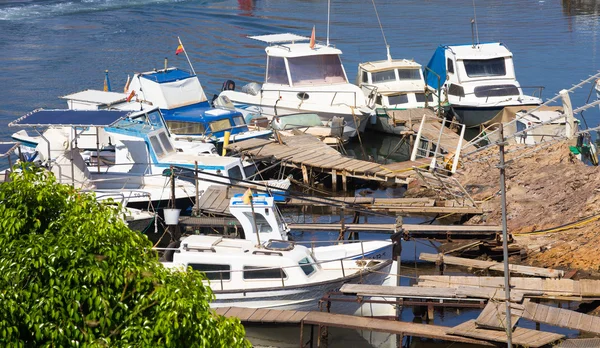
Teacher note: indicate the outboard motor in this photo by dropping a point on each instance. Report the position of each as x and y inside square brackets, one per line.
[228, 85]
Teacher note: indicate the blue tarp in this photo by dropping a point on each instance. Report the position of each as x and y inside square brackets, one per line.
[437, 64]
[168, 76]
[70, 118]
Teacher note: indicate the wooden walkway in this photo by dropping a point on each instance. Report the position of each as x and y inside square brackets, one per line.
[274, 316]
[561, 317]
[308, 153]
[560, 289]
[492, 265]
[520, 336]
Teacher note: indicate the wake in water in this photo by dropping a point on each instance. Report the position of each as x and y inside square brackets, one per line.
[29, 9]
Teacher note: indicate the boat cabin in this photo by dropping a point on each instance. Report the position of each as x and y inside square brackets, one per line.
[394, 83]
[293, 63]
[241, 264]
[485, 70]
[265, 222]
[181, 99]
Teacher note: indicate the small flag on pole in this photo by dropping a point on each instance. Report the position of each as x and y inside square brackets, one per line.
[131, 95]
[312, 39]
[247, 197]
[179, 49]
[106, 82]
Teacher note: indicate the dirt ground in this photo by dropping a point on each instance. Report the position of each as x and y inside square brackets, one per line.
[546, 189]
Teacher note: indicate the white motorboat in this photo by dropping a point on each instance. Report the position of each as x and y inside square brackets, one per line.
[394, 84]
[478, 81]
[328, 132]
[302, 77]
[277, 274]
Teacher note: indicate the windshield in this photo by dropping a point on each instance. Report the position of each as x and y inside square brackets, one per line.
[316, 70]
[487, 67]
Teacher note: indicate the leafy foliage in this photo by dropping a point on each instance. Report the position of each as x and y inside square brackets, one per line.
[73, 274]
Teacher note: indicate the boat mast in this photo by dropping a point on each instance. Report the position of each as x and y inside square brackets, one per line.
[389, 57]
[474, 22]
[328, 12]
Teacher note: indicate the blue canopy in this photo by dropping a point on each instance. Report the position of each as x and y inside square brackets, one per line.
[170, 75]
[437, 64]
[69, 118]
[198, 113]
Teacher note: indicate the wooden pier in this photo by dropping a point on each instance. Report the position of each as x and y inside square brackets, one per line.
[520, 336]
[309, 154]
[492, 265]
[323, 319]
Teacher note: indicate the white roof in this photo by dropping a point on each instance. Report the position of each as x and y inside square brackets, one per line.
[279, 38]
[301, 50]
[97, 97]
[387, 65]
[481, 51]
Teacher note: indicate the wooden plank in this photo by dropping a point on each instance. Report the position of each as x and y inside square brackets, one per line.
[520, 336]
[222, 310]
[257, 316]
[245, 313]
[298, 316]
[285, 316]
[397, 291]
[235, 311]
[492, 265]
[271, 316]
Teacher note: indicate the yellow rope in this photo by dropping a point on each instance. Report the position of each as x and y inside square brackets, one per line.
[576, 224]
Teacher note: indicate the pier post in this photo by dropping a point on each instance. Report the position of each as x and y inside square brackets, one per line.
[334, 180]
[305, 174]
[344, 184]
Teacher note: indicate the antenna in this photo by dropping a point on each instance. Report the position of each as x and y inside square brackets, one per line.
[389, 57]
[474, 21]
[328, 11]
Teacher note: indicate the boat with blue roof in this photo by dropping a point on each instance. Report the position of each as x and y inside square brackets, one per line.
[185, 108]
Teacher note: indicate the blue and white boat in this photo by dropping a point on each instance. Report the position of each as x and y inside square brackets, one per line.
[185, 108]
[478, 80]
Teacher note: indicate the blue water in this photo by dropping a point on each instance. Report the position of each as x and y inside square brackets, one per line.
[53, 48]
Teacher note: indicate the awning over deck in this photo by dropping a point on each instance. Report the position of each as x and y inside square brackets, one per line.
[69, 118]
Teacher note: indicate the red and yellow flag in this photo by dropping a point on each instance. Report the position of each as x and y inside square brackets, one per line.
[312, 39]
[179, 49]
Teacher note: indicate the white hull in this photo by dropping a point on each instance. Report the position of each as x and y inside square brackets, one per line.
[300, 297]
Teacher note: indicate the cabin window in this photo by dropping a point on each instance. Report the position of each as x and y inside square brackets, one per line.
[252, 272]
[485, 67]
[496, 91]
[450, 65]
[384, 76]
[316, 70]
[397, 99]
[156, 146]
[238, 121]
[456, 90]
[307, 266]
[217, 126]
[213, 272]
[365, 77]
[409, 74]
[261, 223]
[421, 97]
[178, 127]
[235, 173]
[166, 142]
[276, 71]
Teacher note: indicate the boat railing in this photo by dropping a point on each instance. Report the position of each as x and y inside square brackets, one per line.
[281, 269]
[335, 94]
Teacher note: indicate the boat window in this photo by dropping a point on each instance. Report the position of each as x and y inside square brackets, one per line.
[421, 97]
[450, 65]
[485, 67]
[276, 71]
[154, 118]
[217, 126]
[306, 265]
[316, 70]
[156, 146]
[365, 77]
[261, 223]
[252, 272]
[456, 90]
[213, 272]
[409, 74]
[496, 91]
[397, 99]
[238, 121]
[178, 127]
[235, 173]
[384, 76]
[166, 142]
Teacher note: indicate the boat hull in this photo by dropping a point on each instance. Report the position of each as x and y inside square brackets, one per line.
[302, 297]
[472, 116]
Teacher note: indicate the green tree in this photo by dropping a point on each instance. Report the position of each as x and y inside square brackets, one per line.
[73, 274]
